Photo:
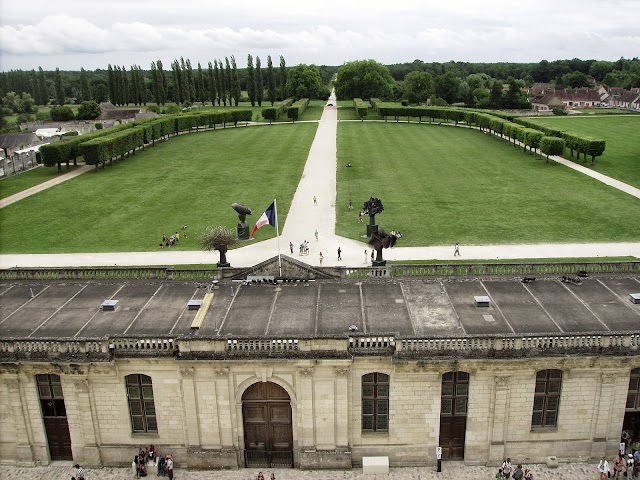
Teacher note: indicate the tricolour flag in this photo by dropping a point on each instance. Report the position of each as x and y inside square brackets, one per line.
[268, 217]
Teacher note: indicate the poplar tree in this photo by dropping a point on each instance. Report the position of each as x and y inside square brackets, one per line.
[235, 83]
[283, 79]
[155, 87]
[192, 82]
[227, 80]
[217, 73]
[212, 85]
[124, 89]
[85, 91]
[177, 82]
[251, 89]
[43, 89]
[259, 83]
[162, 83]
[271, 81]
[200, 90]
[135, 93]
[111, 81]
[60, 97]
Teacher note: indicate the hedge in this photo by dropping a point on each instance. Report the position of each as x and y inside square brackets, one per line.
[551, 146]
[295, 110]
[361, 107]
[272, 113]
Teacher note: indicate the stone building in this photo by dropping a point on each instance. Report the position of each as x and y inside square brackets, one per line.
[318, 368]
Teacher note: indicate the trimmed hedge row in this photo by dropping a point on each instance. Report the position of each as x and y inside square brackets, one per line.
[100, 147]
[272, 113]
[521, 129]
[295, 110]
[361, 107]
[68, 149]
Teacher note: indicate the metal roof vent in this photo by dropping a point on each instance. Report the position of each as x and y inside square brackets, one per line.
[481, 300]
[194, 304]
[634, 297]
[109, 305]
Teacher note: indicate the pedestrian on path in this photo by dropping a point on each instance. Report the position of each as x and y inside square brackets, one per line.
[365, 257]
[372, 257]
[79, 472]
[339, 254]
[321, 258]
[603, 468]
[456, 250]
[360, 215]
[315, 200]
[316, 234]
[291, 247]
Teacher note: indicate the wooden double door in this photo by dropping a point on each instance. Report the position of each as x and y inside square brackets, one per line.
[54, 414]
[268, 431]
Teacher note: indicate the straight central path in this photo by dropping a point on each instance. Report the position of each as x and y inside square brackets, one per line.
[306, 216]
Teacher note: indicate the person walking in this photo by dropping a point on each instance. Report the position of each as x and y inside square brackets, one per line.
[316, 234]
[79, 472]
[291, 247]
[456, 250]
[315, 200]
[365, 257]
[321, 258]
[603, 468]
[619, 465]
[350, 205]
[506, 468]
[339, 253]
[168, 465]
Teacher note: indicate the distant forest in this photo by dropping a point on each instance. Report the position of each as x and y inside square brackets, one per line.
[159, 85]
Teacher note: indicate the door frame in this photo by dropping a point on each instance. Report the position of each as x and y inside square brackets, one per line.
[239, 419]
[453, 409]
[68, 453]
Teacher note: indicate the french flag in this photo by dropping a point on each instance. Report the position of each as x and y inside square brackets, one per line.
[268, 217]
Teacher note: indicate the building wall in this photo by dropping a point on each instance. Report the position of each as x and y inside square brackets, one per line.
[199, 410]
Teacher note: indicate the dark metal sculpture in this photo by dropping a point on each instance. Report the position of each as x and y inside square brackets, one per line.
[371, 207]
[243, 226]
[379, 240]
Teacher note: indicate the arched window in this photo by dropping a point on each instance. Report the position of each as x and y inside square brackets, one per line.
[375, 402]
[141, 406]
[546, 400]
[633, 396]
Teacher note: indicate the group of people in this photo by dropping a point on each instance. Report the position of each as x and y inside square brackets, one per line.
[261, 476]
[173, 239]
[507, 471]
[149, 456]
[624, 465]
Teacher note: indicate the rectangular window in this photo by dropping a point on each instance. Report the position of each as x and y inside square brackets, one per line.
[375, 402]
[141, 406]
[546, 399]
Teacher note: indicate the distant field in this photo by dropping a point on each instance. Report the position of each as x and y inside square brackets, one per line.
[442, 184]
[17, 183]
[190, 180]
[621, 158]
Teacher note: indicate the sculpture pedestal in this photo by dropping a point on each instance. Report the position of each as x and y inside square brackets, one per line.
[222, 265]
[379, 263]
[243, 231]
[371, 229]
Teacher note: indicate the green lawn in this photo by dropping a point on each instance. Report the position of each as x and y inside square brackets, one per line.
[442, 184]
[190, 180]
[621, 158]
[30, 178]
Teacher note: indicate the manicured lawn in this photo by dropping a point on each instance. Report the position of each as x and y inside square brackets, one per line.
[442, 184]
[190, 180]
[17, 183]
[621, 158]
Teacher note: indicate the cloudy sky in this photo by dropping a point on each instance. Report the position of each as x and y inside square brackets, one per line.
[69, 34]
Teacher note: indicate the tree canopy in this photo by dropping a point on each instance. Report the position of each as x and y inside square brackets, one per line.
[363, 79]
[304, 81]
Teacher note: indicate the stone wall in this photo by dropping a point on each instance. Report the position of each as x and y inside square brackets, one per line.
[199, 410]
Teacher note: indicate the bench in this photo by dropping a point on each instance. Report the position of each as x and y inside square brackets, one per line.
[372, 465]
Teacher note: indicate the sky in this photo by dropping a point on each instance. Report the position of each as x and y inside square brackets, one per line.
[70, 34]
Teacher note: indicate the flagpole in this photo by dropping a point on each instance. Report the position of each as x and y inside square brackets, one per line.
[275, 205]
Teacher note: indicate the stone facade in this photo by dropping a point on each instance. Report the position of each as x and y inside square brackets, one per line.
[199, 409]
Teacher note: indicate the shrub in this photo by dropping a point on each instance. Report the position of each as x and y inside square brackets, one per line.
[61, 113]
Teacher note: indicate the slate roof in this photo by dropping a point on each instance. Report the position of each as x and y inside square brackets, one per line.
[415, 307]
[14, 141]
